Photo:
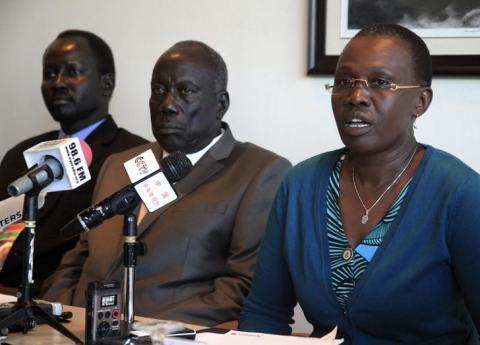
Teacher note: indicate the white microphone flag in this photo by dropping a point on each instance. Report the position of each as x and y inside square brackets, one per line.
[140, 166]
[69, 153]
[155, 191]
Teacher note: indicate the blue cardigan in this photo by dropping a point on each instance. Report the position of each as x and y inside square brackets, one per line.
[421, 287]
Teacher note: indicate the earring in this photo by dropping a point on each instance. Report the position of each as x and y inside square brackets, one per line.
[414, 121]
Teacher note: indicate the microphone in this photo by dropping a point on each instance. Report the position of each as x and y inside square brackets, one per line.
[55, 165]
[172, 168]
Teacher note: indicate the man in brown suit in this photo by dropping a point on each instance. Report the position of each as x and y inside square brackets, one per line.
[202, 246]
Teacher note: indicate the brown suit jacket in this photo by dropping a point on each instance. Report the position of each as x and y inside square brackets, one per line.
[201, 247]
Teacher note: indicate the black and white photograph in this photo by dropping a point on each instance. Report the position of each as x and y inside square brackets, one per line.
[428, 18]
[450, 28]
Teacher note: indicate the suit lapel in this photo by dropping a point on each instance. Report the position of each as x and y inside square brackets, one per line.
[99, 140]
[205, 168]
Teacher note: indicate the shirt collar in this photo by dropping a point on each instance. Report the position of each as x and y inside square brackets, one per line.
[83, 133]
[195, 157]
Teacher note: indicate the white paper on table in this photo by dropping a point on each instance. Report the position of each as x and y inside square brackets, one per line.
[7, 298]
[242, 338]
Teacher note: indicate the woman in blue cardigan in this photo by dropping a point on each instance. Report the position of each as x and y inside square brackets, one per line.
[381, 238]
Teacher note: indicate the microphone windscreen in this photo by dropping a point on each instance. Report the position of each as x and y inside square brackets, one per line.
[176, 166]
[87, 151]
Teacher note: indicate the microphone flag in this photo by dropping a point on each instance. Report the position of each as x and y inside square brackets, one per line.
[71, 157]
[155, 191]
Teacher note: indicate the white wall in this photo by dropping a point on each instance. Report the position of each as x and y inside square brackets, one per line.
[264, 43]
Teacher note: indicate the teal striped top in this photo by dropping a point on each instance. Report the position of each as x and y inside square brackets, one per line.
[347, 268]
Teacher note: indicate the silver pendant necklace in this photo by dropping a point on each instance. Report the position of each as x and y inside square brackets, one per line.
[367, 210]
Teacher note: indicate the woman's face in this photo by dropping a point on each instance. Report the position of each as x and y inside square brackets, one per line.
[374, 120]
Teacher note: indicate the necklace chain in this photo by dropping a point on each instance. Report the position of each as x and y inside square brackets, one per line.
[367, 210]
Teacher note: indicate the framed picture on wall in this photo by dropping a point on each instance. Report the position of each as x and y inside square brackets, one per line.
[452, 32]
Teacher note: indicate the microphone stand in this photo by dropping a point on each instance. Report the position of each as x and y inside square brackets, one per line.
[25, 310]
[131, 250]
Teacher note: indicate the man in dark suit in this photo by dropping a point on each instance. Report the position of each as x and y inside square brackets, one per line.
[78, 82]
[202, 246]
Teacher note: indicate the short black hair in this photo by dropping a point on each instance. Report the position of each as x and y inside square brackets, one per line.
[422, 61]
[101, 50]
[218, 64]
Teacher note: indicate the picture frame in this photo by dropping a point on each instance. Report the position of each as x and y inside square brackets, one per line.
[324, 28]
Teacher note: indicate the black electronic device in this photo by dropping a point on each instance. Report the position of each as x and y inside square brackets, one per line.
[103, 311]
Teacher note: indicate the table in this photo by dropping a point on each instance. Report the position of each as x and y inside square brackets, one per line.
[45, 335]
